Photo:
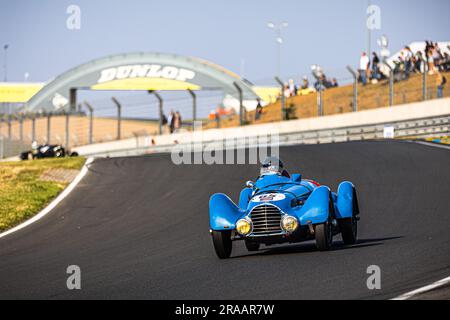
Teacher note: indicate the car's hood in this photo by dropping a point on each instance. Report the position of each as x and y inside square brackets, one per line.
[281, 196]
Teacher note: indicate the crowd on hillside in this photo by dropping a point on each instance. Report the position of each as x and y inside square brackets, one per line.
[431, 59]
[291, 89]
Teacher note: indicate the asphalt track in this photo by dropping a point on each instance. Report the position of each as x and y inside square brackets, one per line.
[138, 229]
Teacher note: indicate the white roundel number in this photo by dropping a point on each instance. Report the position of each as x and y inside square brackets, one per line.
[269, 197]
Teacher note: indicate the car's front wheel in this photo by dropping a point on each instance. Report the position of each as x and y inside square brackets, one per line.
[222, 243]
[324, 236]
[252, 246]
[349, 230]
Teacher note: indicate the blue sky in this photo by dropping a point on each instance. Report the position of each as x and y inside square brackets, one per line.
[328, 32]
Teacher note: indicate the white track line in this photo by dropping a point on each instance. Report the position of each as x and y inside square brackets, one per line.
[55, 202]
[430, 287]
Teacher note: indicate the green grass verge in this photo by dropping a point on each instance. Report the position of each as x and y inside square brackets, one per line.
[23, 194]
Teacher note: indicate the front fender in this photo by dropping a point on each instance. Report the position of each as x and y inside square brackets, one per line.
[317, 208]
[223, 213]
[244, 198]
[346, 201]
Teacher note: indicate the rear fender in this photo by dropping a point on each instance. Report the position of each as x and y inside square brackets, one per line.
[223, 213]
[347, 204]
[317, 208]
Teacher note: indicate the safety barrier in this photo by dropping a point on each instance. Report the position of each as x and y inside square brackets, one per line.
[419, 120]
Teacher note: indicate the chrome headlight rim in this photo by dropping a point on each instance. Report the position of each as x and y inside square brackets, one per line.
[290, 231]
[249, 222]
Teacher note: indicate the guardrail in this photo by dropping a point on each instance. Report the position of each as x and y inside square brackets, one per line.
[417, 120]
[416, 128]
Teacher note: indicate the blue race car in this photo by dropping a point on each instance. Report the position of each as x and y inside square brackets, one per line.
[279, 208]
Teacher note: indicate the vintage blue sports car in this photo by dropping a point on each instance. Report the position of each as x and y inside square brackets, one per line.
[279, 208]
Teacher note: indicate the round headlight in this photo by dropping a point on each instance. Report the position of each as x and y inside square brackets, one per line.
[289, 224]
[244, 227]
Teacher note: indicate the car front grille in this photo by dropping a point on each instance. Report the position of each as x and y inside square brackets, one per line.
[266, 220]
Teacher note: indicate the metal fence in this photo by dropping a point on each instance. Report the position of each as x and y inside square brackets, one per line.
[111, 119]
[103, 120]
[11, 148]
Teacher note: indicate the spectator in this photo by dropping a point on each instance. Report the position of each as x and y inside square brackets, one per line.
[305, 84]
[322, 83]
[258, 111]
[430, 61]
[418, 62]
[164, 122]
[442, 81]
[172, 121]
[334, 83]
[292, 88]
[327, 83]
[407, 61]
[364, 63]
[287, 91]
[375, 66]
[437, 57]
[177, 122]
[446, 64]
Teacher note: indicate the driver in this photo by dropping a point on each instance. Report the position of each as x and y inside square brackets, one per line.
[273, 166]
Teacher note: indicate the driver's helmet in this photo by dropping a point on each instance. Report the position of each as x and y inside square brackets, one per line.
[34, 145]
[271, 166]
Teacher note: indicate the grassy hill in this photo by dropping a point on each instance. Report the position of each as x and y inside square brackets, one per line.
[340, 100]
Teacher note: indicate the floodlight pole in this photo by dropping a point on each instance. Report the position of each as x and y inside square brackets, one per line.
[283, 98]
[241, 104]
[194, 104]
[5, 63]
[91, 120]
[355, 88]
[161, 112]
[119, 117]
[278, 30]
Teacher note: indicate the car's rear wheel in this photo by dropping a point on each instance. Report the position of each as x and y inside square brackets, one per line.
[349, 230]
[252, 246]
[222, 243]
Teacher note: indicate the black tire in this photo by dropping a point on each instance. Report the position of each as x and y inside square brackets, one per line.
[222, 243]
[324, 236]
[349, 230]
[324, 232]
[252, 246]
